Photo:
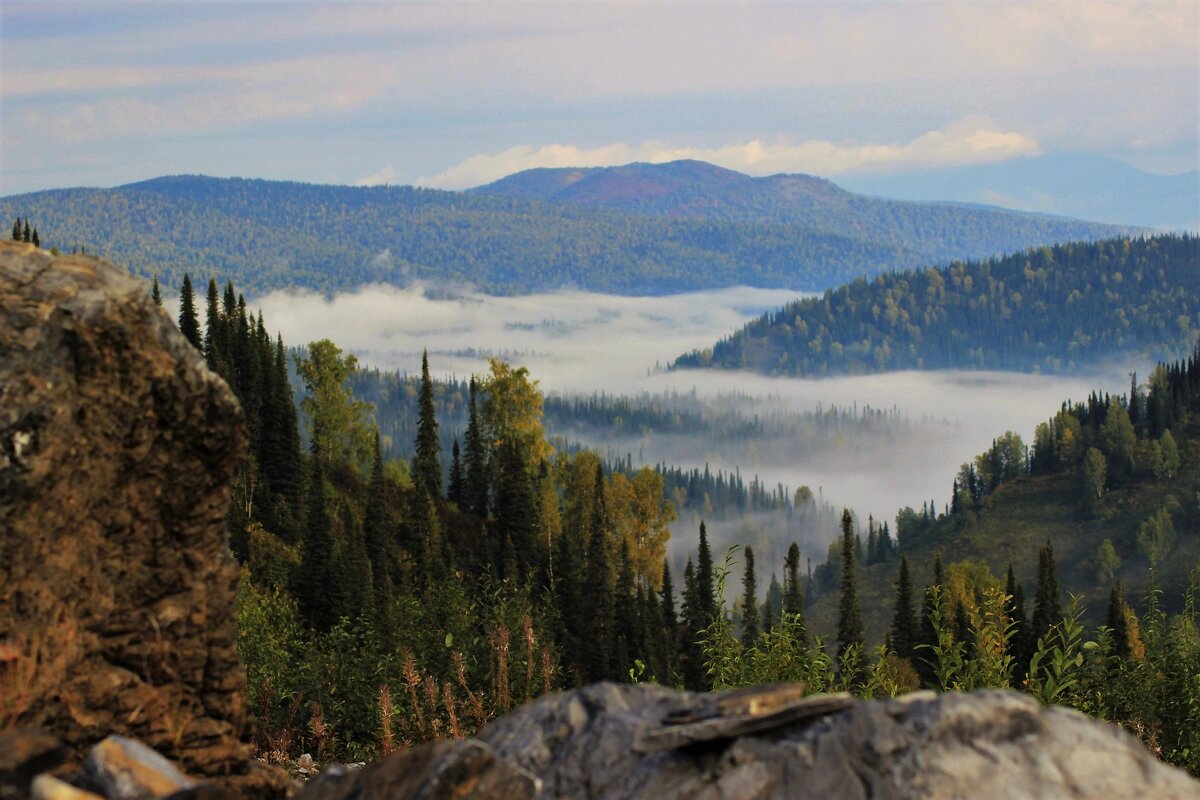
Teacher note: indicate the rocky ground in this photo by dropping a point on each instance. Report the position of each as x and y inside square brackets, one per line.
[119, 676]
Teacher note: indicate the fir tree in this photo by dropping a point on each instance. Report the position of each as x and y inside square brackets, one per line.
[155, 292]
[189, 325]
[670, 623]
[454, 492]
[706, 591]
[850, 623]
[749, 601]
[1047, 606]
[426, 465]
[902, 636]
[213, 338]
[695, 676]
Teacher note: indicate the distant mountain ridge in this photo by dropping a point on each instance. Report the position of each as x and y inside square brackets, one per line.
[644, 229]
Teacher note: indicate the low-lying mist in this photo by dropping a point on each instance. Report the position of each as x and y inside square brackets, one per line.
[579, 343]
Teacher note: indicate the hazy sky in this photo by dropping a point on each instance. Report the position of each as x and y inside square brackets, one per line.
[455, 94]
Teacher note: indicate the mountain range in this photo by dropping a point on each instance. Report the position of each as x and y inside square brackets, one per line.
[639, 229]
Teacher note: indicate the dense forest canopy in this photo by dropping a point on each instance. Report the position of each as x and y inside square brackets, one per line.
[273, 235]
[1051, 309]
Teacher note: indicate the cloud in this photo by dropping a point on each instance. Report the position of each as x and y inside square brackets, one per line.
[384, 177]
[973, 140]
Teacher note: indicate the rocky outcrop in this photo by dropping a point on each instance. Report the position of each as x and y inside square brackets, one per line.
[117, 589]
[590, 744]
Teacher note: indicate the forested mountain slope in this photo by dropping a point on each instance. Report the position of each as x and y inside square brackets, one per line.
[698, 190]
[267, 235]
[1053, 309]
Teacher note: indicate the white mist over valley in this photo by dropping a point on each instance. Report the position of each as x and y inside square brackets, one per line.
[580, 343]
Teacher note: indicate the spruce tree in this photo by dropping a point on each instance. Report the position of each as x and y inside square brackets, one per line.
[426, 465]
[850, 623]
[377, 534]
[695, 675]
[155, 292]
[670, 623]
[749, 601]
[575, 616]
[27, 234]
[902, 635]
[515, 518]
[793, 591]
[1047, 606]
[213, 336]
[454, 492]
[16, 231]
[36, 241]
[189, 325]
[313, 587]
[1117, 622]
[598, 593]
[1018, 642]
[706, 590]
[476, 457]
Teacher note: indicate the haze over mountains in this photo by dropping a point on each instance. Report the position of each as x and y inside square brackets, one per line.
[638, 229]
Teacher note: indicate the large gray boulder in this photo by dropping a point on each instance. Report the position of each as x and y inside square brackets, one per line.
[585, 744]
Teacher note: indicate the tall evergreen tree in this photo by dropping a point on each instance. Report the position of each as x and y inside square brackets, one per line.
[572, 609]
[476, 458]
[850, 623]
[1117, 622]
[16, 231]
[749, 601]
[27, 234]
[155, 292]
[454, 492]
[928, 634]
[377, 534]
[314, 590]
[695, 675]
[793, 591]
[902, 636]
[189, 325]
[515, 518]
[1047, 606]
[670, 623]
[772, 604]
[1018, 642]
[213, 335]
[626, 643]
[598, 592]
[37, 242]
[427, 466]
[706, 590]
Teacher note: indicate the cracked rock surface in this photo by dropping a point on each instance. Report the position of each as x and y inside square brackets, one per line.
[117, 446]
[991, 744]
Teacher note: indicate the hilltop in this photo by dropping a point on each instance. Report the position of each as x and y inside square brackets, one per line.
[798, 233]
[1058, 310]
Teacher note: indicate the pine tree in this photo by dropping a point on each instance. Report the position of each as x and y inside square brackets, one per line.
[749, 601]
[189, 326]
[850, 623]
[426, 465]
[454, 492]
[476, 457]
[1047, 606]
[155, 292]
[902, 635]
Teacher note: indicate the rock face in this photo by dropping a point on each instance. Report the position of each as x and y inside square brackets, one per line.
[581, 744]
[117, 590]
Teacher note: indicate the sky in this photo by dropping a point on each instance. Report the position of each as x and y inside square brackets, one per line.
[452, 95]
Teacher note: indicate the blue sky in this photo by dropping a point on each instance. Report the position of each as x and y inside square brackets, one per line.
[454, 94]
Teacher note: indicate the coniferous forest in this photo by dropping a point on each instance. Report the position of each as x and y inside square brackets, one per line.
[386, 602]
[1052, 309]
